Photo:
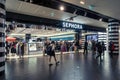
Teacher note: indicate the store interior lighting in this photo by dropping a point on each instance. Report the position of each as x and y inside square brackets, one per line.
[63, 36]
[61, 8]
[42, 35]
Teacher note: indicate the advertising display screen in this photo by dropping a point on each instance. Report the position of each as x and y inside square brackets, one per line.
[92, 37]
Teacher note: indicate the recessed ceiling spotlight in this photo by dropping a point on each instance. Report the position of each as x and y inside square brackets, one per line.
[100, 19]
[62, 8]
[82, 2]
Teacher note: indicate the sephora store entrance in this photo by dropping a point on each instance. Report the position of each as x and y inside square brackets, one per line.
[34, 36]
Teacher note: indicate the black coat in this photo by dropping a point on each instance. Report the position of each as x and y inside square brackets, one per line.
[22, 48]
[99, 48]
[85, 45]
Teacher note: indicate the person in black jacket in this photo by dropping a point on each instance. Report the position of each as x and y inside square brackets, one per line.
[103, 48]
[22, 49]
[111, 48]
[85, 47]
[99, 49]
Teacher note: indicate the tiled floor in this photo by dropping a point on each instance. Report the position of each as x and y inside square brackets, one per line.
[71, 67]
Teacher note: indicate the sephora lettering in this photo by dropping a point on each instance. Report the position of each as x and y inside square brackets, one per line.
[71, 25]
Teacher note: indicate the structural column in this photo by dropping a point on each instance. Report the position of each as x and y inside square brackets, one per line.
[2, 37]
[113, 34]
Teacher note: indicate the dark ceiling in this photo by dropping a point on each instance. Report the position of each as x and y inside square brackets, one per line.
[55, 4]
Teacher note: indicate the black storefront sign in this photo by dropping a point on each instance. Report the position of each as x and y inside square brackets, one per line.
[78, 27]
[52, 22]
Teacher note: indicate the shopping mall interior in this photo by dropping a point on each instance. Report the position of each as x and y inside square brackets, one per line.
[82, 36]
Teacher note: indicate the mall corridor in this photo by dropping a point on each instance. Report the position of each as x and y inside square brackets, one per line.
[32, 29]
[71, 67]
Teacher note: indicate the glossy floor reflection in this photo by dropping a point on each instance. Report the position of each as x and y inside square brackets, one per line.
[71, 67]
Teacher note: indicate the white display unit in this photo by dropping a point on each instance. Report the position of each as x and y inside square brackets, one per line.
[35, 47]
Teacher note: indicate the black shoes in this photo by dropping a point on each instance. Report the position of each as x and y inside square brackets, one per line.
[50, 64]
[57, 62]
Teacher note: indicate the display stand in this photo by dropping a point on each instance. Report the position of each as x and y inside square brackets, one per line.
[35, 48]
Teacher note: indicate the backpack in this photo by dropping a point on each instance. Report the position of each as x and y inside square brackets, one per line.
[49, 50]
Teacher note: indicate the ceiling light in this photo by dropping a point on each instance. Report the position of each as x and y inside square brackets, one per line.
[61, 8]
[13, 22]
[82, 2]
[100, 19]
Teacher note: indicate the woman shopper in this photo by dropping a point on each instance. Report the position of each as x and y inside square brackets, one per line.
[85, 47]
[103, 48]
[51, 52]
[22, 49]
[94, 43]
[63, 47]
[13, 48]
[19, 49]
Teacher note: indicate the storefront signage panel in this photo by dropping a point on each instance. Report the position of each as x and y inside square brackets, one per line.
[52, 22]
[71, 25]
